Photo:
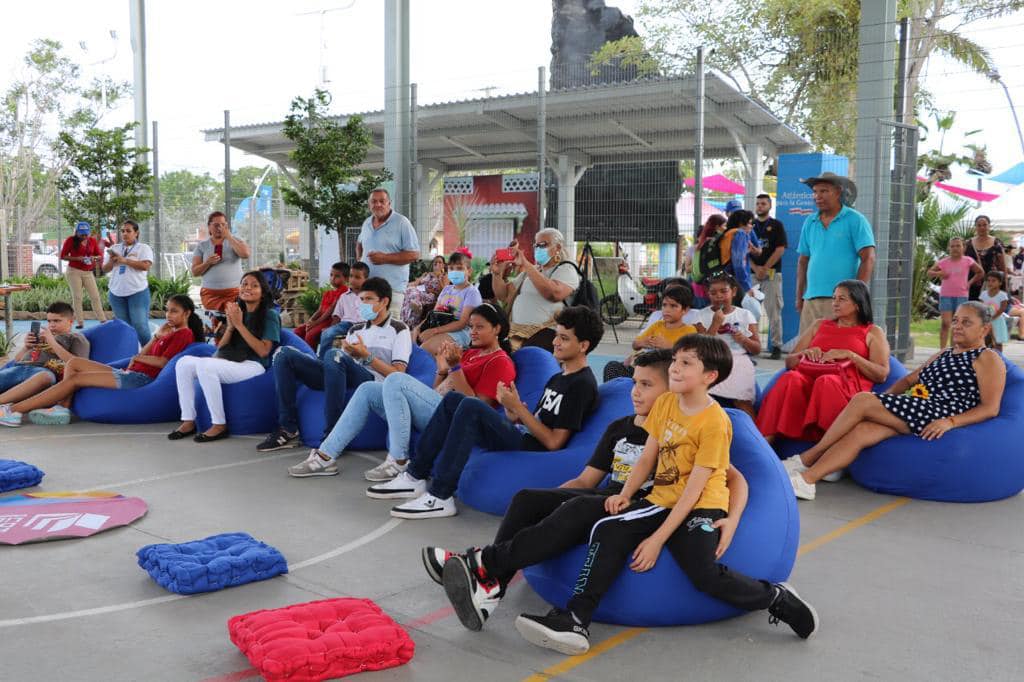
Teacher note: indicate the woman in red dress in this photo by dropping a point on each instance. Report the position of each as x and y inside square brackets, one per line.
[832, 361]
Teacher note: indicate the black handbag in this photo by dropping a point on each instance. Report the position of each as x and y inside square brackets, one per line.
[437, 318]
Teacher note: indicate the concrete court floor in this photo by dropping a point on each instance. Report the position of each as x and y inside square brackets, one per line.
[926, 591]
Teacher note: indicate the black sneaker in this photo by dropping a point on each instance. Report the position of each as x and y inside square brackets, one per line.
[434, 559]
[789, 608]
[559, 630]
[472, 592]
[776, 353]
[279, 440]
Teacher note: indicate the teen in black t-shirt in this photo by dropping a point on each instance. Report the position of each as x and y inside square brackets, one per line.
[459, 424]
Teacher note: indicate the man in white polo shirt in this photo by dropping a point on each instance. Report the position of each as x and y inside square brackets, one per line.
[388, 243]
[373, 349]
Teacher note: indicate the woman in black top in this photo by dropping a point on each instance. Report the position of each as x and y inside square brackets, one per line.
[252, 331]
[986, 250]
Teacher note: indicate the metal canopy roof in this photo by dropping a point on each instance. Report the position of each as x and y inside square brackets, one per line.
[645, 120]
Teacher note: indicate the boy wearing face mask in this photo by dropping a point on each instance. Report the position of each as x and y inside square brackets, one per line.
[458, 299]
[373, 349]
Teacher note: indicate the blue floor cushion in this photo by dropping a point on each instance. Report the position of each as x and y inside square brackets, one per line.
[15, 475]
[211, 564]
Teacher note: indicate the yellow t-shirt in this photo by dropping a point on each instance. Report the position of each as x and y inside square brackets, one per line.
[671, 335]
[684, 442]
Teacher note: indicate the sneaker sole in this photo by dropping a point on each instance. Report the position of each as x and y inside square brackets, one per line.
[10, 425]
[835, 476]
[814, 613]
[406, 494]
[429, 566]
[315, 473]
[377, 478]
[431, 514]
[567, 643]
[48, 420]
[458, 585]
[286, 446]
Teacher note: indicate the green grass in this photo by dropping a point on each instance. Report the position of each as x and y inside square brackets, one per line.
[925, 333]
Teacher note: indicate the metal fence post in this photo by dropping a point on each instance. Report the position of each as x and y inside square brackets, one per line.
[157, 235]
[541, 143]
[227, 164]
[698, 149]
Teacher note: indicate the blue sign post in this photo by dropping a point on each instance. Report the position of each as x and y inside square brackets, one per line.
[794, 202]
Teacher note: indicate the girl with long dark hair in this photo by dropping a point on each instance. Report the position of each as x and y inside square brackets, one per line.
[52, 406]
[406, 403]
[252, 330]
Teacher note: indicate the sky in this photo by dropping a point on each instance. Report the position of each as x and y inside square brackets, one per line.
[254, 56]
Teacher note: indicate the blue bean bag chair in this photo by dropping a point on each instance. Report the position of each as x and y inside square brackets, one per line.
[211, 564]
[787, 447]
[976, 463]
[155, 402]
[250, 405]
[15, 475]
[764, 547]
[492, 478]
[374, 435]
[111, 341]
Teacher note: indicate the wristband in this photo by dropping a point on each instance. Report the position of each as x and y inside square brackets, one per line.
[367, 361]
[455, 368]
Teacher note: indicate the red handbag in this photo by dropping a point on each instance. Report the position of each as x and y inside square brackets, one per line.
[813, 370]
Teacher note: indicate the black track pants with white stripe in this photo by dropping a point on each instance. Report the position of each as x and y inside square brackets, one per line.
[613, 539]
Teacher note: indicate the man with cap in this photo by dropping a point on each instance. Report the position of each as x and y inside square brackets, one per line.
[83, 254]
[732, 205]
[836, 243]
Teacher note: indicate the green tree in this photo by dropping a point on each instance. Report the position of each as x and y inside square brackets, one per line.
[104, 183]
[332, 190]
[186, 199]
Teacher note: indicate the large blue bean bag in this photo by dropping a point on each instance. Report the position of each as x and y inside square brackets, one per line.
[787, 447]
[492, 478]
[764, 547]
[250, 405]
[211, 564]
[976, 463]
[155, 402]
[374, 435]
[15, 475]
[534, 366]
[111, 341]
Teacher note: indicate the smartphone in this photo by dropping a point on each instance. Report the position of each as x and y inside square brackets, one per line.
[35, 331]
[505, 255]
[219, 249]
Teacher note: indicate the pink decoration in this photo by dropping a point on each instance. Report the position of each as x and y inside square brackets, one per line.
[718, 183]
[55, 516]
[972, 194]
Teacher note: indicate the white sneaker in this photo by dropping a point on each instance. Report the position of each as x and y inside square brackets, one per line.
[314, 465]
[834, 476]
[8, 417]
[426, 506]
[401, 487]
[794, 463]
[386, 470]
[473, 593]
[801, 488]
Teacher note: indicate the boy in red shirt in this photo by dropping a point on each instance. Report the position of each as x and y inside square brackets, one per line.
[321, 319]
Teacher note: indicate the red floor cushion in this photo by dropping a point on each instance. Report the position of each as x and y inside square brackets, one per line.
[320, 640]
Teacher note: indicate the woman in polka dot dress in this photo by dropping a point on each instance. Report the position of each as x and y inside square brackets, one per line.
[959, 386]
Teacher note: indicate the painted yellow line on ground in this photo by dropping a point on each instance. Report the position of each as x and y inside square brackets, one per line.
[628, 634]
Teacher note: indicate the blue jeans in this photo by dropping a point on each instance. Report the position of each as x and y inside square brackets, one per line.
[403, 401]
[334, 376]
[949, 304]
[459, 424]
[16, 373]
[328, 335]
[134, 310]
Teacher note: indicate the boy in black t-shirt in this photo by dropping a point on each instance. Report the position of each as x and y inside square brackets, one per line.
[541, 524]
[460, 423]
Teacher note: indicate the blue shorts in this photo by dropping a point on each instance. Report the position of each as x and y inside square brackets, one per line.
[126, 379]
[16, 373]
[949, 304]
[460, 337]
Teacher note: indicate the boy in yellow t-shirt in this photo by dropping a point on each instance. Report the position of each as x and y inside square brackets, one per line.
[676, 301]
[688, 441]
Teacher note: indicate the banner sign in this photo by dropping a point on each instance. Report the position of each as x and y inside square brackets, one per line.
[35, 517]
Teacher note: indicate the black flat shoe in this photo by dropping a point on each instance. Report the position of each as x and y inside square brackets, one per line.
[203, 438]
[178, 435]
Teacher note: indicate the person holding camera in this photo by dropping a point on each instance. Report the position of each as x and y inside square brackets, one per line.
[127, 264]
[40, 362]
[83, 254]
[218, 260]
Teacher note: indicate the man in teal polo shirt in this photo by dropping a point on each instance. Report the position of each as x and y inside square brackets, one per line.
[836, 243]
[388, 243]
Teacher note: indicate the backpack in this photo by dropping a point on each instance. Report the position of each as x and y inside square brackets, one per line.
[712, 257]
[586, 292]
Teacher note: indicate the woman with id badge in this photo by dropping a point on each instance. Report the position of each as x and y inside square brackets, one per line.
[127, 263]
[82, 253]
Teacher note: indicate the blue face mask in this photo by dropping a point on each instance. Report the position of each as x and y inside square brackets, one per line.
[367, 312]
[456, 277]
[542, 256]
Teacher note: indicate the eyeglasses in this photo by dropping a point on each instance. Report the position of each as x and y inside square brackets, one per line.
[540, 245]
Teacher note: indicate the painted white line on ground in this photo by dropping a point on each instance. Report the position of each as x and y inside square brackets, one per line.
[127, 606]
[190, 472]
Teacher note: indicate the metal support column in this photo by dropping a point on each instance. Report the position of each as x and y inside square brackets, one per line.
[157, 241]
[754, 180]
[542, 115]
[698, 149]
[568, 175]
[396, 99]
[227, 164]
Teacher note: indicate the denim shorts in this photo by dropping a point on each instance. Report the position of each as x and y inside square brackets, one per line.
[15, 373]
[460, 337]
[126, 379]
[949, 304]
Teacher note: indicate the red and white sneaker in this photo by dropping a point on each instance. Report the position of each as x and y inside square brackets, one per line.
[473, 593]
[434, 559]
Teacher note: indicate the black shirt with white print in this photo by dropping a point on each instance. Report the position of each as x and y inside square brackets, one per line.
[566, 401]
[618, 450]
